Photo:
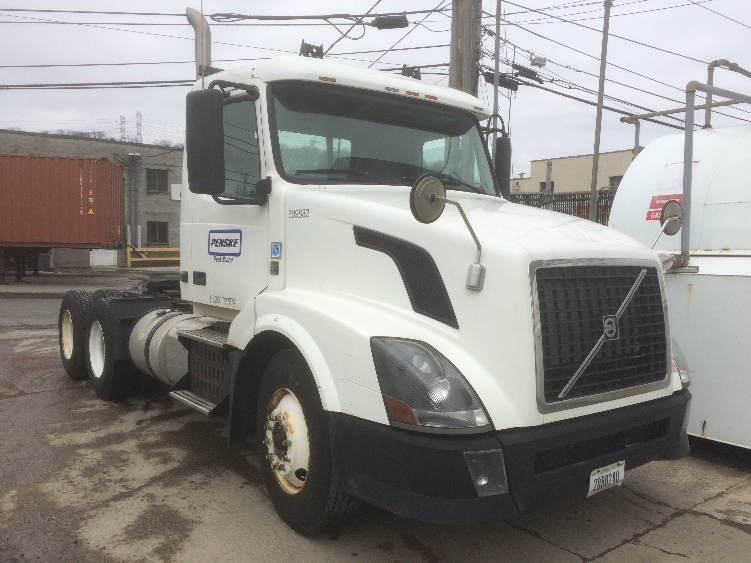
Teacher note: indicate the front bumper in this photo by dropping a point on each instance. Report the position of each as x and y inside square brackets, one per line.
[425, 476]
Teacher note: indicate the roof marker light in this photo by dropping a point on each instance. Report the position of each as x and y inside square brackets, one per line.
[429, 97]
[326, 79]
[412, 93]
[390, 89]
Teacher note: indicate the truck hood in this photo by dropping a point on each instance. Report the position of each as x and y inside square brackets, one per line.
[542, 233]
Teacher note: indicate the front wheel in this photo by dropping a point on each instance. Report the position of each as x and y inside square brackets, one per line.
[295, 442]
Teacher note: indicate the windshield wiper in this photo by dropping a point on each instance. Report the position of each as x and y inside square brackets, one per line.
[339, 171]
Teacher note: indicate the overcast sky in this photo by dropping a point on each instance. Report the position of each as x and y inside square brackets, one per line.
[542, 124]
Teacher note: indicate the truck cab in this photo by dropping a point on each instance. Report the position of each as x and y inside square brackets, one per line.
[363, 304]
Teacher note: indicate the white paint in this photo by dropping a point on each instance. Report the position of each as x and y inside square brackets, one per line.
[709, 310]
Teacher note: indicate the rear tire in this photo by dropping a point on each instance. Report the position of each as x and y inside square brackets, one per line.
[110, 379]
[295, 443]
[72, 324]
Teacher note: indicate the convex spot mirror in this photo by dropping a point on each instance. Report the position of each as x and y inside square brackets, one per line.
[427, 198]
[671, 217]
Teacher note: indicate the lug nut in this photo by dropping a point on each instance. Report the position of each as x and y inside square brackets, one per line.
[287, 443]
[286, 458]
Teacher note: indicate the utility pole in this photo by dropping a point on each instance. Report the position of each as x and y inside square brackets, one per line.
[496, 79]
[464, 71]
[598, 121]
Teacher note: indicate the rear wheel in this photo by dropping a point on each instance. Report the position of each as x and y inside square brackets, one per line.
[109, 378]
[295, 441]
[71, 326]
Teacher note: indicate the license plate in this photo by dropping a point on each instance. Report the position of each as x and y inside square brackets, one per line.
[606, 477]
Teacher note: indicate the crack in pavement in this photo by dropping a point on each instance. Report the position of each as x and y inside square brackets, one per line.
[546, 540]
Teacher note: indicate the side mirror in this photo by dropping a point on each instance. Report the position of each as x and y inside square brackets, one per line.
[671, 217]
[503, 165]
[427, 198]
[204, 141]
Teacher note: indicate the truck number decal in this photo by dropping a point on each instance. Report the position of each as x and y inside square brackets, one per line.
[221, 300]
[299, 213]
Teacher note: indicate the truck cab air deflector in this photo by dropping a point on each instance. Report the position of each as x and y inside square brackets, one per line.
[422, 280]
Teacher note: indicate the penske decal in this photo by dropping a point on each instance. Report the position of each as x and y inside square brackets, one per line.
[226, 242]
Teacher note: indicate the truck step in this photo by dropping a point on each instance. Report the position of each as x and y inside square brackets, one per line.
[208, 335]
[195, 401]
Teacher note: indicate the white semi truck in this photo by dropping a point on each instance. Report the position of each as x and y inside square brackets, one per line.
[450, 363]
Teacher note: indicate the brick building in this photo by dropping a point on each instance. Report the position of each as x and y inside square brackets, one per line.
[151, 178]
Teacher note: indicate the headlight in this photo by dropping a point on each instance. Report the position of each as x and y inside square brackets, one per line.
[422, 388]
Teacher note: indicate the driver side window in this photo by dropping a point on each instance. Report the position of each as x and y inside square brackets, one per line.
[242, 161]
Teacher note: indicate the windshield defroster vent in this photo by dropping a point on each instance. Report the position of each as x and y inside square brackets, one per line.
[425, 288]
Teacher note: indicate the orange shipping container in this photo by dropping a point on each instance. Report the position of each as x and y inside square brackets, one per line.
[48, 201]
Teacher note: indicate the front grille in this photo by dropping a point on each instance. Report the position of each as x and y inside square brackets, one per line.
[573, 304]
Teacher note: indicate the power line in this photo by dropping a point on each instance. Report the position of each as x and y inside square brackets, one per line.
[91, 12]
[617, 66]
[546, 19]
[346, 33]
[84, 65]
[719, 14]
[613, 35]
[588, 102]
[231, 17]
[95, 85]
[438, 8]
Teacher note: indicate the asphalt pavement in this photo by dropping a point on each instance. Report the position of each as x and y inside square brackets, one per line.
[149, 479]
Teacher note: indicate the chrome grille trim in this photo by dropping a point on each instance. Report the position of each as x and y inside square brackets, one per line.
[606, 384]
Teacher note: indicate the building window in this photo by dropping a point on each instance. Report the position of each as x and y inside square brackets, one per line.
[156, 232]
[615, 181]
[552, 186]
[156, 180]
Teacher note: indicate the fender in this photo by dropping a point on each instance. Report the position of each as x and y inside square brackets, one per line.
[304, 342]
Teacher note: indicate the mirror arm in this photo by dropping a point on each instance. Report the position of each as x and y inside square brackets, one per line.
[662, 230]
[466, 222]
[476, 272]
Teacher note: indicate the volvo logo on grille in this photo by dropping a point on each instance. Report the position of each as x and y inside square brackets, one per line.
[610, 327]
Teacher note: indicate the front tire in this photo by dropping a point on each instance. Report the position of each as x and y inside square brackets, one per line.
[109, 378]
[295, 442]
[72, 323]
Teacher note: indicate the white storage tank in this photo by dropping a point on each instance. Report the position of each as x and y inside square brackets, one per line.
[709, 302]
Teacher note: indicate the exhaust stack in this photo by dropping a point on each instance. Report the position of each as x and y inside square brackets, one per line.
[203, 41]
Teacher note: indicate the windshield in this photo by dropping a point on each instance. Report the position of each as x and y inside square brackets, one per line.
[332, 134]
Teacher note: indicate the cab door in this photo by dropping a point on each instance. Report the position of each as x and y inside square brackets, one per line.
[229, 236]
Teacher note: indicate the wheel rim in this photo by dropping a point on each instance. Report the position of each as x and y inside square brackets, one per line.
[66, 333]
[287, 442]
[96, 349]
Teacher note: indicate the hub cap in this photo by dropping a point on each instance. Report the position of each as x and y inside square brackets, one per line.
[66, 333]
[96, 349]
[286, 439]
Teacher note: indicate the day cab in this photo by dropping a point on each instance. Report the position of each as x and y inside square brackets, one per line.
[359, 299]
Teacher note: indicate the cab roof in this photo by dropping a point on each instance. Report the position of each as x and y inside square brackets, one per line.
[321, 70]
